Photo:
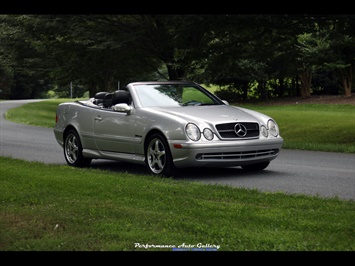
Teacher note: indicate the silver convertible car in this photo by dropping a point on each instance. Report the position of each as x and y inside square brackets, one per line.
[165, 125]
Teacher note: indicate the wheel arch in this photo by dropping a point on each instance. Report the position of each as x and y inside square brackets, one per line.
[150, 133]
[69, 127]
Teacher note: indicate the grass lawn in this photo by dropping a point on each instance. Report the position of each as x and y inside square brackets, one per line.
[59, 208]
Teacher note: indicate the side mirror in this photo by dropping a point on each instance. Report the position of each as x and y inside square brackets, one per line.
[123, 108]
[225, 102]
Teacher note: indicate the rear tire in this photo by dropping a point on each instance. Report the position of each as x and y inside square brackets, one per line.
[158, 156]
[256, 167]
[73, 150]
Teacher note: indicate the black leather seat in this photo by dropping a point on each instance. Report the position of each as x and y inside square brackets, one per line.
[121, 96]
[108, 100]
[99, 97]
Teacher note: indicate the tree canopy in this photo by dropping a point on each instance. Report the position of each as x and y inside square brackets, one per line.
[261, 56]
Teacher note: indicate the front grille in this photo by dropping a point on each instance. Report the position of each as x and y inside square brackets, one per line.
[236, 155]
[227, 131]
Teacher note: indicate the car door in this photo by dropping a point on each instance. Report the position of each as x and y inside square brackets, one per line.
[114, 131]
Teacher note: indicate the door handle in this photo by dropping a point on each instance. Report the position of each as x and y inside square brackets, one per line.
[98, 118]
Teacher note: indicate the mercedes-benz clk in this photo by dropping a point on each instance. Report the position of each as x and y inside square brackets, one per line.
[165, 125]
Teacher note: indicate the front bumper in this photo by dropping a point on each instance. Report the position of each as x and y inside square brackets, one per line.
[226, 153]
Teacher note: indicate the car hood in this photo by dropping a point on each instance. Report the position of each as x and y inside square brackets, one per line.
[213, 114]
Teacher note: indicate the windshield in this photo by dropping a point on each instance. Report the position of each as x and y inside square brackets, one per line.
[152, 95]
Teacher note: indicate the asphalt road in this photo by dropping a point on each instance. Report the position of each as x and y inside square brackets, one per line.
[323, 174]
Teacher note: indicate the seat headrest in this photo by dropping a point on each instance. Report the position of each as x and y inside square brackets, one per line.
[107, 101]
[120, 96]
[100, 95]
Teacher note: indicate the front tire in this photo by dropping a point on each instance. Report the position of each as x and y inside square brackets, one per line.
[158, 156]
[73, 150]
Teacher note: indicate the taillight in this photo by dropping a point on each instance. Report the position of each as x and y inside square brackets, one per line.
[56, 118]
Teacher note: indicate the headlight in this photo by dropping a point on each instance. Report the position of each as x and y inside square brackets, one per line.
[273, 129]
[208, 133]
[193, 132]
[264, 131]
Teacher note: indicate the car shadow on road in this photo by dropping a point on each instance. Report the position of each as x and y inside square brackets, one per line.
[226, 172]
[120, 167]
[186, 173]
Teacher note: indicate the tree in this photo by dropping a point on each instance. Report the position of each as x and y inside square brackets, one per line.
[250, 49]
[276, 52]
[21, 63]
[341, 55]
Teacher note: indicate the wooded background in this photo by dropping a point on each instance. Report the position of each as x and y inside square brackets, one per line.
[248, 56]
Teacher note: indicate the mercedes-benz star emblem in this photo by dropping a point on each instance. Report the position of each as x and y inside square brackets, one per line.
[240, 130]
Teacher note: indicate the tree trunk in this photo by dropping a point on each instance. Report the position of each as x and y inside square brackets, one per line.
[92, 89]
[306, 80]
[280, 88]
[175, 73]
[262, 90]
[245, 88]
[109, 82]
[295, 86]
[346, 79]
[347, 87]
